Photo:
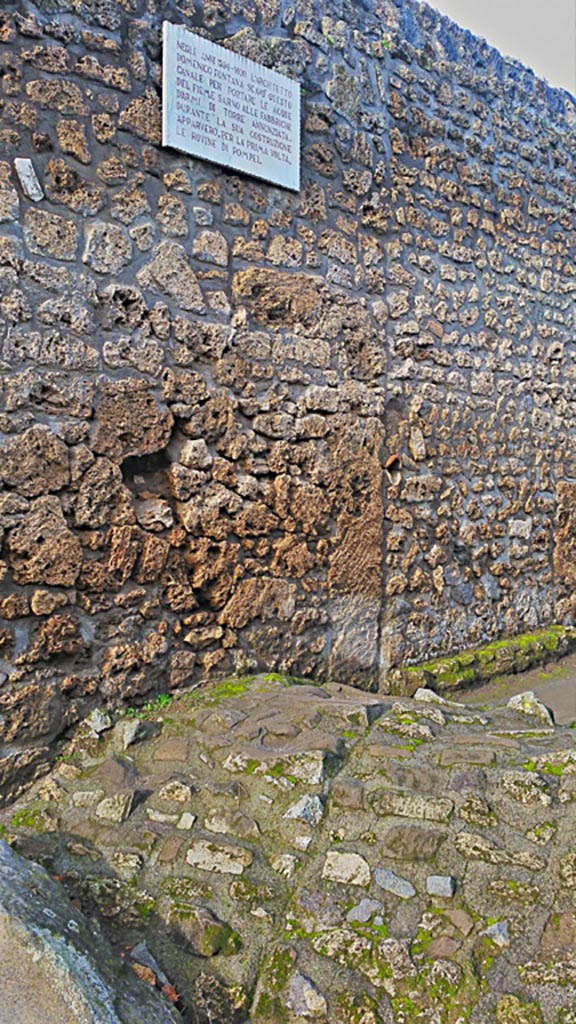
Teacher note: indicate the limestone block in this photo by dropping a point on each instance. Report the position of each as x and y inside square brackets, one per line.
[348, 868]
[170, 273]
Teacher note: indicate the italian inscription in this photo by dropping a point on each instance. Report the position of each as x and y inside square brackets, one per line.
[225, 108]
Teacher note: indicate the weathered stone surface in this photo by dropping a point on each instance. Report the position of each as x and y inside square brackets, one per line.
[170, 273]
[219, 878]
[97, 493]
[143, 117]
[279, 298]
[55, 966]
[48, 234]
[35, 462]
[370, 461]
[108, 248]
[129, 420]
[115, 808]
[42, 549]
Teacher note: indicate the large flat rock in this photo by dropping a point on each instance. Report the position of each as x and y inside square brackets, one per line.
[56, 966]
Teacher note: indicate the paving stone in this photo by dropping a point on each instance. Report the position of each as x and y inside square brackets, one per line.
[443, 948]
[172, 749]
[225, 860]
[309, 809]
[285, 849]
[441, 885]
[348, 868]
[170, 850]
[467, 755]
[430, 808]
[115, 808]
[393, 883]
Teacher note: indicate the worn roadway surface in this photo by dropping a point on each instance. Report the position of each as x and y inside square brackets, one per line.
[291, 853]
[555, 685]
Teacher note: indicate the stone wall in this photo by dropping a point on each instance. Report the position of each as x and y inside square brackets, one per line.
[326, 432]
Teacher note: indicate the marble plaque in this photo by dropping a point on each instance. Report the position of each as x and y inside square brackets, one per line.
[225, 108]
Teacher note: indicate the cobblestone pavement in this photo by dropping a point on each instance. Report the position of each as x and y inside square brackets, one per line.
[289, 852]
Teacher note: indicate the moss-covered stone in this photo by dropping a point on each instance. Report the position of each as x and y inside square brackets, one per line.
[511, 1010]
[482, 664]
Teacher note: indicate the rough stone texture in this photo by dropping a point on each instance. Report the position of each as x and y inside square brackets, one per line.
[56, 967]
[261, 916]
[328, 433]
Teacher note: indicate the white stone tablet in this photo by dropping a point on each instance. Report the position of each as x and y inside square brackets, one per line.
[225, 108]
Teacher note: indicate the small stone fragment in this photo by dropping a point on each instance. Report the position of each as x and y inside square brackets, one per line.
[304, 999]
[87, 797]
[115, 808]
[98, 722]
[529, 704]
[441, 885]
[284, 864]
[28, 179]
[309, 809]
[175, 791]
[391, 882]
[348, 868]
[131, 732]
[498, 932]
[363, 911]
[185, 821]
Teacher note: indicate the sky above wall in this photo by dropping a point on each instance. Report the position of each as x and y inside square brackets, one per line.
[539, 33]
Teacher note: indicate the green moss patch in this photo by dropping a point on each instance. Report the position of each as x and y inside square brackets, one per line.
[483, 664]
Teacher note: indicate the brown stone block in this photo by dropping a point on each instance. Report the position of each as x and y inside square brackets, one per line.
[60, 634]
[15, 606]
[35, 462]
[108, 248]
[152, 559]
[98, 493]
[143, 117]
[72, 139]
[61, 95]
[42, 549]
[115, 78]
[124, 545]
[129, 421]
[255, 597]
[278, 298]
